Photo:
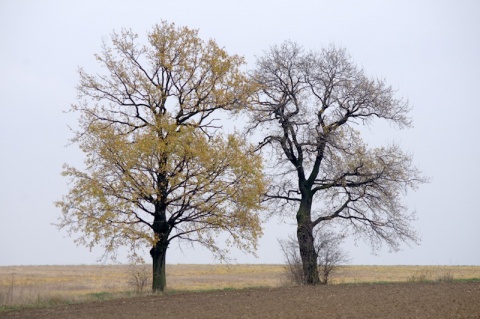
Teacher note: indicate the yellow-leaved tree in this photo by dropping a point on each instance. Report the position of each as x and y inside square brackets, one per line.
[158, 166]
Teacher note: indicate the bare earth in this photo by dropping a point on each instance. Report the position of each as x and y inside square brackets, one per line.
[395, 300]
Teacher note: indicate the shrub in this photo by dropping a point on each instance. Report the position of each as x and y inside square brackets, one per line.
[330, 255]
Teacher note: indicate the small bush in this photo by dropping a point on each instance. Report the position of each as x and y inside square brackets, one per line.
[293, 262]
[330, 255]
[140, 278]
[446, 277]
[420, 276]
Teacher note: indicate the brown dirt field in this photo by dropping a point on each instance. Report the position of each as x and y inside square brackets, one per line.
[393, 300]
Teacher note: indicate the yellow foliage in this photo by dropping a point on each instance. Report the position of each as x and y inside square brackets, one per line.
[152, 152]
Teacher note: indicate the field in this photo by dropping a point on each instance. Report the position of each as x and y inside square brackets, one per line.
[238, 291]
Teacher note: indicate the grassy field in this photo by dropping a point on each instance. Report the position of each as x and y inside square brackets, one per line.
[45, 285]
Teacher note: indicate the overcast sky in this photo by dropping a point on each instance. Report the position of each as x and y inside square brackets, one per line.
[428, 50]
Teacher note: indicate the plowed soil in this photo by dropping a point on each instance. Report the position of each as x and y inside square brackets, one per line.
[399, 300]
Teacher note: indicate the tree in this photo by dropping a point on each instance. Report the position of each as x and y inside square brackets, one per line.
[327, 247]
[157, 166]
[308, 107]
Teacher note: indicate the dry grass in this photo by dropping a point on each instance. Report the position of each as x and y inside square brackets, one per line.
[358, 274]
[24, 285]
[206, 277]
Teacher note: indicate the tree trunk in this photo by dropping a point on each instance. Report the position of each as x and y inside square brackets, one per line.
[158, 253]
[161, 229]
[305, 238]
[308, 255]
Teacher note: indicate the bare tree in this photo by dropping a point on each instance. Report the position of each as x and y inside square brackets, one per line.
[308, 108]
[158, 167]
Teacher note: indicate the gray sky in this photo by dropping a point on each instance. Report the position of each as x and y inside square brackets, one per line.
[428, 50]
